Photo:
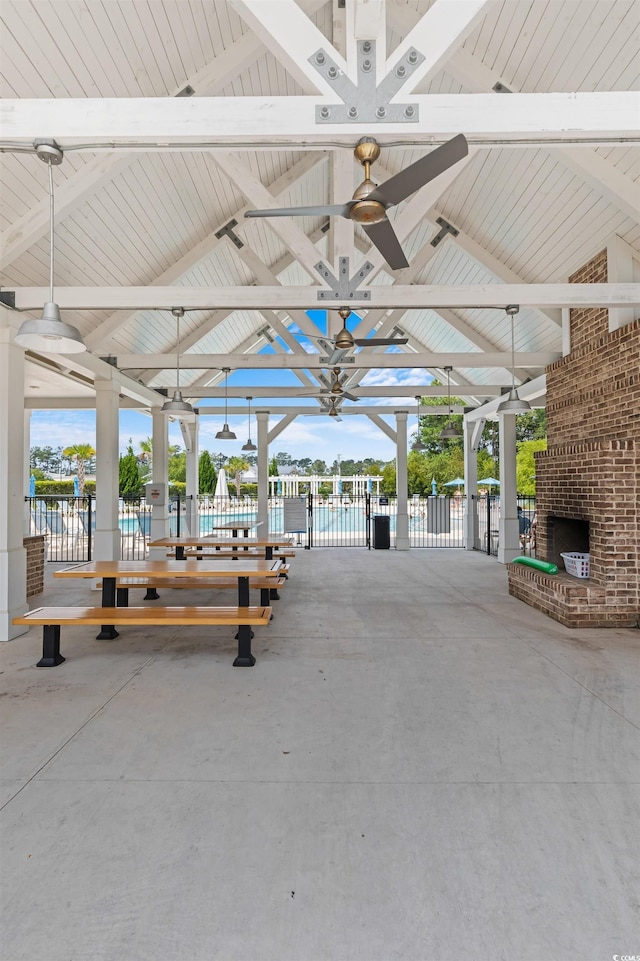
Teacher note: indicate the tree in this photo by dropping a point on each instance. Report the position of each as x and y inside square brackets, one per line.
[526, 466]
[146, 451]
[273, 468]
[283, 458]
[388, 483]
[81, 453]
[177, 466]
[236, 467]
[432, 424]
[129, 480]
[318, 467]
[206, 474]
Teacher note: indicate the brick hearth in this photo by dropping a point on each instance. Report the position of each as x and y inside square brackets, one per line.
[591, 471]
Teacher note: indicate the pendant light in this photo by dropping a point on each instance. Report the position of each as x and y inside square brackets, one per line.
[332, 410]
[450, 431]
[249, 445]
[50, 333]
[344, 340]
[177, 405]
[417, 444]
[225, 433]
[336, 387]
[513, 404]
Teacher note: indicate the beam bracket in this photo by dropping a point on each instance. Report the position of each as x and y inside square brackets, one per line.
[228, 231]
[365, 102]
[343, 288]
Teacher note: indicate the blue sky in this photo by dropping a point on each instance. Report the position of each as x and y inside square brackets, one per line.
[315, 437]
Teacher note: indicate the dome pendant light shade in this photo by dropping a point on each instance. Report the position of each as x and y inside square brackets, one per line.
[417, 444]
[225, 433]
[449, 431]
[50, 334]
[344, 340]
[513, 403]
[177, 405]
[249, 445]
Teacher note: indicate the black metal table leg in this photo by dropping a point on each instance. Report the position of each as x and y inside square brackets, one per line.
[51, 655]
[151, 595]
[108, 631]
[245, 658]
[122, 597]
[264, 598]
[180, 552]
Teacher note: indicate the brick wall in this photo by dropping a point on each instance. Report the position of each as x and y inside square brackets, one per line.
[591, 469]
[35, 548]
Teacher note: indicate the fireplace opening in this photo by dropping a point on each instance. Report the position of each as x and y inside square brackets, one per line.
[566, 535]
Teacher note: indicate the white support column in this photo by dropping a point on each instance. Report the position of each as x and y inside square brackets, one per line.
[159, 475]
[566, 331]
[193, 480]
[470, 520]
[262, 420]
[620, 258]
[26, 449]
[13, 557]
[107, 537]
[402, 482]
[509, 533]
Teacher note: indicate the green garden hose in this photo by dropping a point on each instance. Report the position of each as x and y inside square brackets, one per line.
[543, 566]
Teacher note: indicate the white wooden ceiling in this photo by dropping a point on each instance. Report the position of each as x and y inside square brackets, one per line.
[533, 202]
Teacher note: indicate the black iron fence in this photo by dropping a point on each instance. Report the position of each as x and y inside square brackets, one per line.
[367, 520]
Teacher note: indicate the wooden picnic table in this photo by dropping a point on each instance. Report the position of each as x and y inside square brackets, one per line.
[235, 526]
[111, 571]
[218, 543]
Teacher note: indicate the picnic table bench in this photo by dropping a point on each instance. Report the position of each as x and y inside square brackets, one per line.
[52, 618]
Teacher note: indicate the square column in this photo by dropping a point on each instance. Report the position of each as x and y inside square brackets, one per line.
[13, 557]
[107, 536]
[190, 431]
[26, 449]
[509, 531]
[159, 470]
[262, 420]
[402, 482]
[470, 520]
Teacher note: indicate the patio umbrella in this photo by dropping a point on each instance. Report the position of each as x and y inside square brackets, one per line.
[76, 486]
[456, 482]
[32, 486]
[222, 488]
[489, 482]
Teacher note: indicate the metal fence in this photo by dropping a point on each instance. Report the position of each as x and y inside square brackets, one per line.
[368, 521]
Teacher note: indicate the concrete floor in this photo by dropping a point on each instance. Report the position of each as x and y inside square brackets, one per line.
[425, 770]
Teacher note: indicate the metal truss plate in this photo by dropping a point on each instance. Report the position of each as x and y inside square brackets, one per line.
[343, 288]
[366, 102]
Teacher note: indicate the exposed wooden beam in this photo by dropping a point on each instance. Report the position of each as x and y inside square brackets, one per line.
[221, 123]
[310, 361]
[303, 298]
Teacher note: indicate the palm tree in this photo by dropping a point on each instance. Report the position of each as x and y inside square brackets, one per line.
[236, 466]
[81, 453]
[146, 450]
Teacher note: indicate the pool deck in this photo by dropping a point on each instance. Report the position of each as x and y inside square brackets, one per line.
[418, 768]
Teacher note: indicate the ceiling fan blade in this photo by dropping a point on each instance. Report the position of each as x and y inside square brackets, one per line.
[347, 396]
[322, 210]
[380, 341]
[384, 238]
[403, 184]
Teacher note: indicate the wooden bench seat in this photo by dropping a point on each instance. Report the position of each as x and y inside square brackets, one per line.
[254, 552]
[268, 586]
[52, 618]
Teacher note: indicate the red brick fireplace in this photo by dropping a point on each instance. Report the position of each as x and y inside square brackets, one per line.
[588, 479]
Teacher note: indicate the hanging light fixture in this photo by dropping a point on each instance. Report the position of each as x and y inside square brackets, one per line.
[336, 387]
[249, 445]
[513, 404]
[225, 433]
[50, 333]
[449, 431]
[417, 444]
[177, 405]
[344, 340]
[332, 410]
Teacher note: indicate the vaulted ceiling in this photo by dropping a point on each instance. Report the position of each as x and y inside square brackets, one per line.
[176, 117]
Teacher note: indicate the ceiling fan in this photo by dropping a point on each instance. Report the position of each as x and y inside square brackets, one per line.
[371, 201]
[344, 339]
[335, 391]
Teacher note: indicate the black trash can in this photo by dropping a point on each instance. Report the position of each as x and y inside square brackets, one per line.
[381, 532]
